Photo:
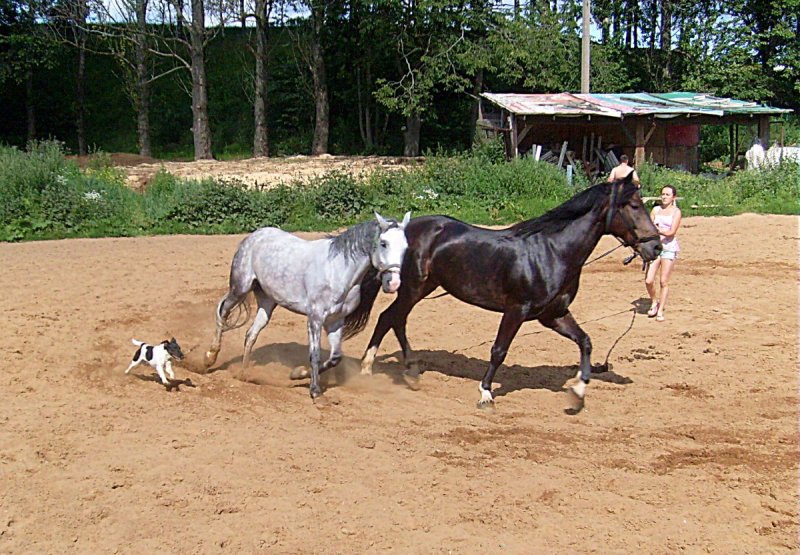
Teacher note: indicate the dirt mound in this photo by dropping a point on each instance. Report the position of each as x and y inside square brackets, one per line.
[265, 172]
[121, 159]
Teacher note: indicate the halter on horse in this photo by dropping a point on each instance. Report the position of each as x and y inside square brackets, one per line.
[529, 271]
[331, 280]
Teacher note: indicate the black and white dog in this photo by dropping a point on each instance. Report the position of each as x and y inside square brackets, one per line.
[158, 356]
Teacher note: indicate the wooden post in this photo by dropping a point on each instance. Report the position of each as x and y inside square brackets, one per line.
[763, 131]
[563, 154]
[730, 144]
[639, 153]
[586, 46]
[512, 120]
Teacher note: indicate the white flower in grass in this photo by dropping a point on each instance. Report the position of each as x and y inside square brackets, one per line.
[427, 193]
[92, 195]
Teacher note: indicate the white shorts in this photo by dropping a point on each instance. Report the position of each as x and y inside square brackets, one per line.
[668, 255]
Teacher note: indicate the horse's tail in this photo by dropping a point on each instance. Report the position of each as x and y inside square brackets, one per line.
[234, 319]
[356, 321]
[137, 342]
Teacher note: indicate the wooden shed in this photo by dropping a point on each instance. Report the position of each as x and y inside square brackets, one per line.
[597, 128]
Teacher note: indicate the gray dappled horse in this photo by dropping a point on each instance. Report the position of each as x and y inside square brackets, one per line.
[328, 280]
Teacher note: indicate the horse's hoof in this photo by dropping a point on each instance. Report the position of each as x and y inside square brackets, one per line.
[576, 401]
[320, 400]
[486, 406]
[366, 371]
[412, 381]
[210, 358]
[299, 373]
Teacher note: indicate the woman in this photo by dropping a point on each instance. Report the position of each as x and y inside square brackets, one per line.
[667, 219]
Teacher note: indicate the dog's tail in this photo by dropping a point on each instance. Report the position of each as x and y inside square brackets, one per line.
[137, 342]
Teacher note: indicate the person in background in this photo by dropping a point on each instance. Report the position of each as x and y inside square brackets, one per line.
[623, 170]
[667, 219]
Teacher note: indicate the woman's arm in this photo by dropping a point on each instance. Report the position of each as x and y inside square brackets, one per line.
[676, 223]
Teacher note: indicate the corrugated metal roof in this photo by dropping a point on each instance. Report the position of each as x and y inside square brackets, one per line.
[664, 105]
[729, 105]
[644, 104]
[559, 104]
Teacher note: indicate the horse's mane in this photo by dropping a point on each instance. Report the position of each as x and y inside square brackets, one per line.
[559, 217]
[354, 241]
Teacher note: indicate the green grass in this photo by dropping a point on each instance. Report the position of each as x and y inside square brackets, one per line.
[44, 196]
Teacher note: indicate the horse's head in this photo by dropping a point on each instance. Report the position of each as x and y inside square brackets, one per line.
[389, 249]
[628, 220]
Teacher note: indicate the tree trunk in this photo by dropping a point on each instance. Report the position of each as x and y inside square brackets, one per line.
[261, 134]
[319, 143]
[30, 109]
[411, 135]
[477, 89]
[367, 119]
[201, 130]
[666, 38]
[142, 81]
[80, 115]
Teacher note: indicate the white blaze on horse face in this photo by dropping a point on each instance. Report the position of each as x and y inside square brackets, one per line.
[392, 247]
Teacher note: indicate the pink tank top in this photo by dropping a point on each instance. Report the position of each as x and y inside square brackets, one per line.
[664, 223]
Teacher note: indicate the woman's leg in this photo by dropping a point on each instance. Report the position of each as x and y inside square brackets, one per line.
[650, 279]
[666, 270]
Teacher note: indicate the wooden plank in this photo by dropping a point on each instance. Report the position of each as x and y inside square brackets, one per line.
[612, 158]
[512, 121]
[547, 156]
[537, 152]
[639, 153]
[650, 133]
[583, 151]
[523, 133]
[563, 153]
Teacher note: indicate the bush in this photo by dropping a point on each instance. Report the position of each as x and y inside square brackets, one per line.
[338, 197]
[44, 196]
[216, 206]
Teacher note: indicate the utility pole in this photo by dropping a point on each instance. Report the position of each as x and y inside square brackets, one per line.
[586, 46]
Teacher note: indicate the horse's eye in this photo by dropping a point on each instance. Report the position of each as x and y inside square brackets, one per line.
[384, 244]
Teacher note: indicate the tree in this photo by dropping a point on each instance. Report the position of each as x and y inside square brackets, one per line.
[430, 38]
[23, 51]
[70, 24]
[263, 9]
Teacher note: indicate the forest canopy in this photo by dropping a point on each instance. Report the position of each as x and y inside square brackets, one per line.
[272, 77]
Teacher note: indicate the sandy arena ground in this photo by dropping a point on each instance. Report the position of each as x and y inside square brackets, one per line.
[689, 444]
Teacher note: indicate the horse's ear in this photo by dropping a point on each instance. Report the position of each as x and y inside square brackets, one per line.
[382, 222]
[406, 219]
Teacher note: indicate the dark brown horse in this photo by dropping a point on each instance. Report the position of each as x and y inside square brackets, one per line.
[529, 271]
